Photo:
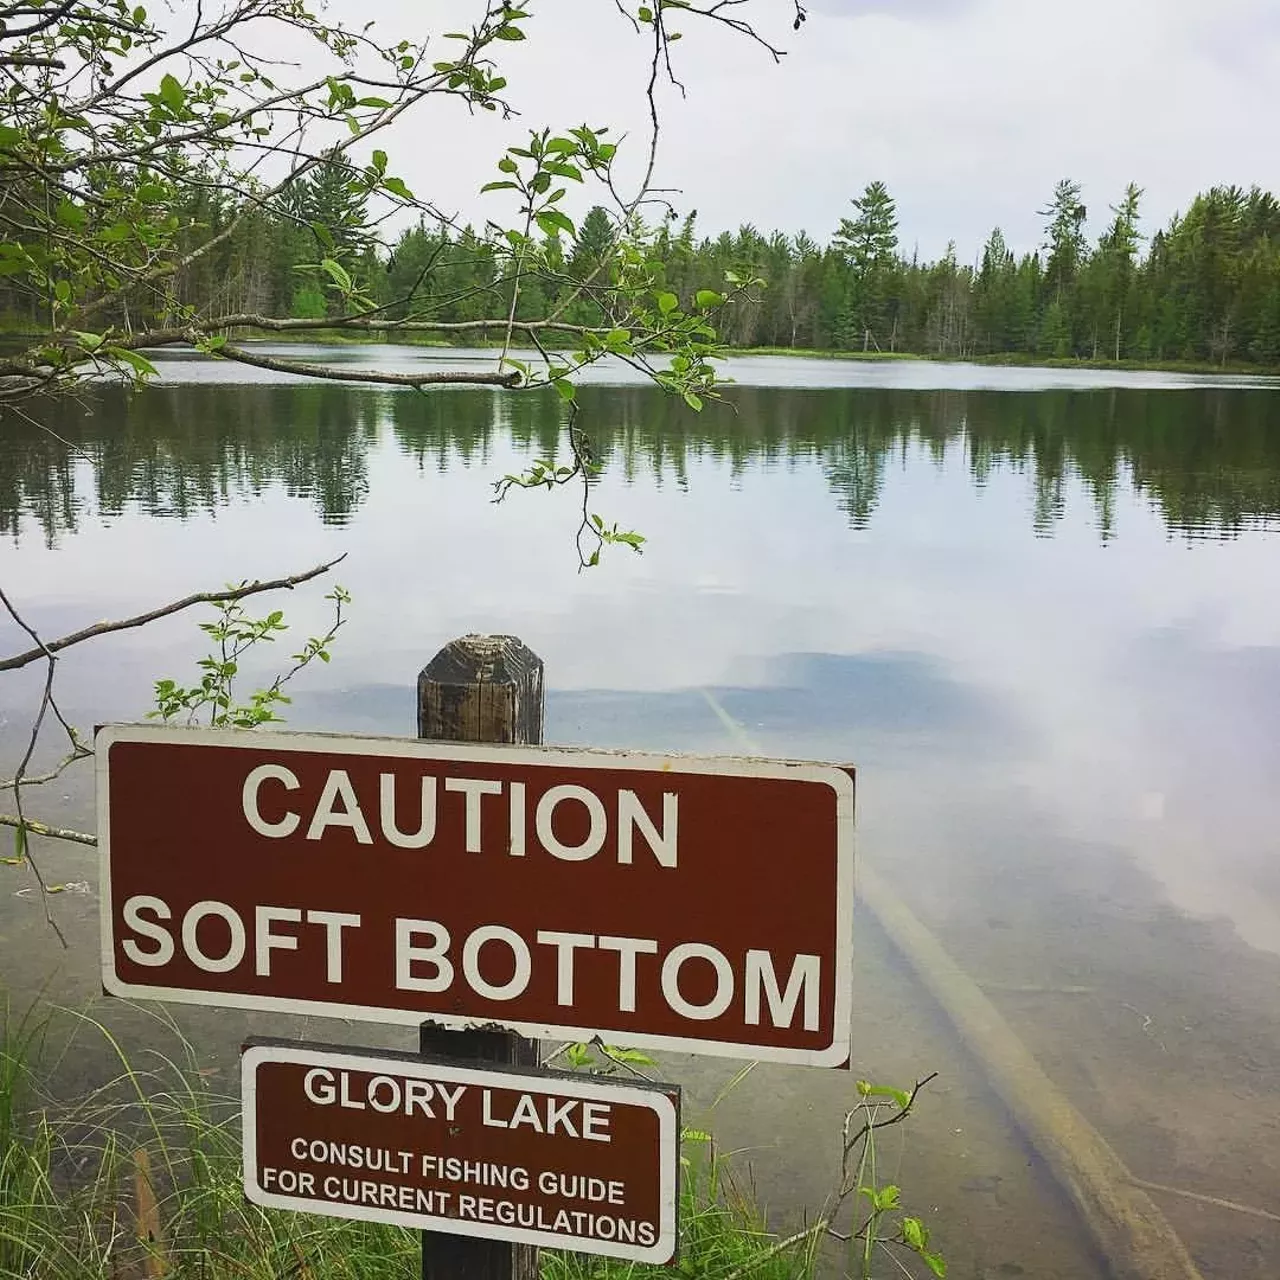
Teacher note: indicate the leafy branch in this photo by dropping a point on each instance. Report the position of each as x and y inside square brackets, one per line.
[235, 632]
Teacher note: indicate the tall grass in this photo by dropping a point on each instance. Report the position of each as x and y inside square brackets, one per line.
[723, 1234]
[141, 1178]
[24, 1155]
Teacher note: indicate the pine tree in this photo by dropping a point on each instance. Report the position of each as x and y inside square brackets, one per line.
[1116, 253]
[869, 245]
[1064, 236]
[994, 291]
[595, 234]
[331, 204]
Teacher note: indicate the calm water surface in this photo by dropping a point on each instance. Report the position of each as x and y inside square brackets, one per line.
[1038, 609]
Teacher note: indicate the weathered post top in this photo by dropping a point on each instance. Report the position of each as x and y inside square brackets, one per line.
[482, 689]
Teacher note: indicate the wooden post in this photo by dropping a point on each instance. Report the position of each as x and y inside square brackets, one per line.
[480, 689]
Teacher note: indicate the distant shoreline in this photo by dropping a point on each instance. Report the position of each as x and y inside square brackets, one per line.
[1009, 359]
[1013, 359]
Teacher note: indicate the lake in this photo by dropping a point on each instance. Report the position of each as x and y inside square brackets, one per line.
[1038, 609]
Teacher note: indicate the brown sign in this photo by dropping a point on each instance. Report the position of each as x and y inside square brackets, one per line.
[555, 1161]
[701, 905]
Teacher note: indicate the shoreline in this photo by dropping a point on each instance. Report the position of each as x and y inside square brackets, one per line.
[1005, 359]
[1009, 359]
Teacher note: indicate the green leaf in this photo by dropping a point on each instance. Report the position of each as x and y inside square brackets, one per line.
[70, 214]
[509, 33]
[381, 103]
[337, 273]
[508, 165]
[868, 1090]
[914, 1233]
[19, 844]
[579, 1055]
[172, 94]
[552, 220]
[397, 188]
[565, 388]
[935, 1263]
[693, 401]
[135, 360]
[707, 298]
[500, 186]
[636, 1057]
[645, 14]
[667, 302]
[62, 291]
[563, 170]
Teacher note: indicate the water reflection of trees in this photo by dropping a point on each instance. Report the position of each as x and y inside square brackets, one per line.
[1208, 460]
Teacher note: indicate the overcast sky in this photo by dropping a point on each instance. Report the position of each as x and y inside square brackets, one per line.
[969, 110]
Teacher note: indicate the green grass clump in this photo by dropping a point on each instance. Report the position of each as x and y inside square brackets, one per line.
[723, 1234]
[71, 1177]
[76, 1179]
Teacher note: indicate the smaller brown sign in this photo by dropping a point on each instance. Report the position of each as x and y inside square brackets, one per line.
[533, 1157]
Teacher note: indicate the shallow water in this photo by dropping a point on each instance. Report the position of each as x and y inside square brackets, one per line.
[1038, 609]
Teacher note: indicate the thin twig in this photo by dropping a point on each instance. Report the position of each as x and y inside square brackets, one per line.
[80, 753]
[141, 619]
[22, 826]
[49, 431]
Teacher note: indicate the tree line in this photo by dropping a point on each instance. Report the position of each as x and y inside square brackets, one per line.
[1206, 288]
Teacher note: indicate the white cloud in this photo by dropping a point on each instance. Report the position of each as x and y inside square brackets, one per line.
[970, 110]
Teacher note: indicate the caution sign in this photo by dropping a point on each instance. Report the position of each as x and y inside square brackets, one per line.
[539, 1158]
[694, 904]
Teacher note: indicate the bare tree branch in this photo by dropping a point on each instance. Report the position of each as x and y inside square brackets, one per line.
[141, 619]
[23, 845]
[46, 829]
[439, 377]
[50, 17]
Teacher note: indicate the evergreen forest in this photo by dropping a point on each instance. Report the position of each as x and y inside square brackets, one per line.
[1203, 289]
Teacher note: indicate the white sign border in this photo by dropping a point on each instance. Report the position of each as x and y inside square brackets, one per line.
[653, 1099]
[840, 779]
